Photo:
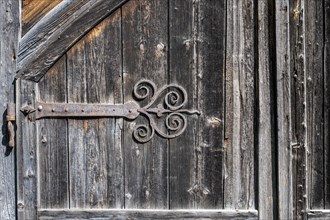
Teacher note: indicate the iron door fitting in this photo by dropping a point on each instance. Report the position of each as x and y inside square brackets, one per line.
[173, 98]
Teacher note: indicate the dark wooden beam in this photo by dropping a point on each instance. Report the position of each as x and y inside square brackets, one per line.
[61, 28]
[148, 214]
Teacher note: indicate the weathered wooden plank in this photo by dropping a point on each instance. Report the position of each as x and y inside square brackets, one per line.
[327, 103]
[145, 46]
[266, 104]
[9, 31]
[210, 46]
[314, 18]
[228, 202]
[51, 37]
[243, 127]
[96, 160]
[284, 129]
[34, 10]
[149, 214]
[298, 107]
[52, 140]
[318, 214]
[182, 70]
[26, 153]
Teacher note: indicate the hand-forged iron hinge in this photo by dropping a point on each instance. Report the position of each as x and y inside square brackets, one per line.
[171, 108]
[11, 118]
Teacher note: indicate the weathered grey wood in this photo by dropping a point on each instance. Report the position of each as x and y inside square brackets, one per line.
[284, 131]
[266, 128]
[183, 70]
[297, 43]
[145, 46]
[229, 110]
[327, 103]
[148, 214]
[210, 46]
[53, 190]
[239, 139]
[9, 31]
[61, 28]
[26, 150]
[318, 214]
[313, 16]
[95, 152]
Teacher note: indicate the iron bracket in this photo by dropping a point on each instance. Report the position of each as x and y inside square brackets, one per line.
[167, 102]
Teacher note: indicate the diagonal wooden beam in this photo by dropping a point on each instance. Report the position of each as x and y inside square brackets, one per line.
[61, 28]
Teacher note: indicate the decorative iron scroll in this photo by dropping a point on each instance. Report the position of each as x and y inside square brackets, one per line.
[172, 106]
[167, 102]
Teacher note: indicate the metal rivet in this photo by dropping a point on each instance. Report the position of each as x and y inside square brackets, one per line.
[82, 110]
[53, 110]
[130, 111]
[114, 110]
[40, 107]
[66, 109]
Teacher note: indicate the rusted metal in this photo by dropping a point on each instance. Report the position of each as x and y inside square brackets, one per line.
[11, 118]
[27, 109]
[128, 110]
[166, 103]
[170, 106]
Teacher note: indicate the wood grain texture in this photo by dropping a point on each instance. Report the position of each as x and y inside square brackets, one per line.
[9, 32]
[229, 113]
[95, 152]
[314, 42]
[52, 36]
[318, 214]
[239, 134]
[284, 114]
[266, 106]
[34, 10]
[53, 189]
[145, 49]
[27, 173]
[298, 108]
[149, 214]
[184, 188]
[327, 103]
[210, 83]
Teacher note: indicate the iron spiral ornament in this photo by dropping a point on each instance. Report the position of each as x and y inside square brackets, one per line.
[171, 101]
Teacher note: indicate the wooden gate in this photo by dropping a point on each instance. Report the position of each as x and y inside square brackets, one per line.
[73, 165]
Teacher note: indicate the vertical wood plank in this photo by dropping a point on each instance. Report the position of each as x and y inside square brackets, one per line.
[284, 114]
[242, 140]
[9, 32]
[210, 84]
[145, 46]
[266, 126]
[197, 51]
[95, 152]
[26, 153]
[298, 107]
[229, 109]
[52, 142]
[327, 102]
[184, 188]
[314, 101]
